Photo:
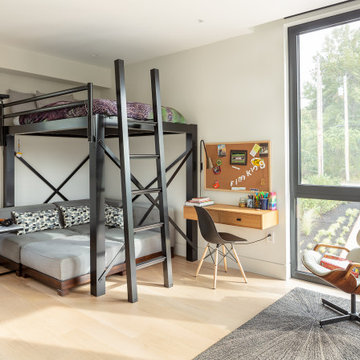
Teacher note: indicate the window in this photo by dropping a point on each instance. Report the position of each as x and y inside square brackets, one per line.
[324, 75]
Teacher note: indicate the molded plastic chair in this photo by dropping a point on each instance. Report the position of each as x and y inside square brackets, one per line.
[342, 279]
[212, 236]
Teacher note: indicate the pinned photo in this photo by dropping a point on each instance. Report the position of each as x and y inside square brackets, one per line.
[264, 150]
[221, 150]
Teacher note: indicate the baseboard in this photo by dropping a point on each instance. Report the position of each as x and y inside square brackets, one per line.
[256, 266]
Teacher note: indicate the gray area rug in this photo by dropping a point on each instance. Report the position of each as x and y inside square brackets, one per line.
[289, 329]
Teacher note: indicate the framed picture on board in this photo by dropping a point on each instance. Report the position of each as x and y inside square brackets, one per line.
[238, 157]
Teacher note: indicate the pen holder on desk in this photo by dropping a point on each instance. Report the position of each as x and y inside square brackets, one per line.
[264, 203]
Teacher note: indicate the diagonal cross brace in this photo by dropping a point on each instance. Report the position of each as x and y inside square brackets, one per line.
[56, 191]
[68, 178]
[167, 185]
[116, 161]
[166, 170]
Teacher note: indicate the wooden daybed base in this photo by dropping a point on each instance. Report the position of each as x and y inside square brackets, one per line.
[63, 287]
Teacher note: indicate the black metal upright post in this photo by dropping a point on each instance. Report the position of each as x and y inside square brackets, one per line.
[126, 180]
[9, 171]
[96, 134]
[160, 167]
[191, 191]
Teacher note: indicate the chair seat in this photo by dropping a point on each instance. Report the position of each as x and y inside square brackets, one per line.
[311, 259]
[231, 237]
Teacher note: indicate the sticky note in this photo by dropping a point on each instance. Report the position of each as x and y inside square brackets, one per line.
[255, 150]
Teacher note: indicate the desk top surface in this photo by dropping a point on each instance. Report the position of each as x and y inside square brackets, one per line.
[234, 208]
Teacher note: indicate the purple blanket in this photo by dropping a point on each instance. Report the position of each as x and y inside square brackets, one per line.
[138, 111]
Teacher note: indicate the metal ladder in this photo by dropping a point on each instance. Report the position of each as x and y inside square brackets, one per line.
[127, 192]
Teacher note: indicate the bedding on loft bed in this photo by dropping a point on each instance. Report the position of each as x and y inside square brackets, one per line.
[135, 110]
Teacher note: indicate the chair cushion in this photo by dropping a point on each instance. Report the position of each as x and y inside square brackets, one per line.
[311, 260]
[354, 255]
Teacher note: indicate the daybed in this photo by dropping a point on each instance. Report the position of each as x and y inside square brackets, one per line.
[60, 257]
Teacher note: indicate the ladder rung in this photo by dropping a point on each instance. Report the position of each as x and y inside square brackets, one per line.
[150, 262]
[148, 227]
[144, 156]
[142, 122]
[145, 191]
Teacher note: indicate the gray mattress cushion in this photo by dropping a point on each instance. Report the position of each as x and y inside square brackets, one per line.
[64, 259]
[83, 229]
[10, 244]
[147, 242]
[115, 234]
[69, 257]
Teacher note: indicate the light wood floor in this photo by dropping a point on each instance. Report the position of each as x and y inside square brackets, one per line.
[176, 323]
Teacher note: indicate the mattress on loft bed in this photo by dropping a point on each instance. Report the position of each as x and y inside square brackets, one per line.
[135, 110]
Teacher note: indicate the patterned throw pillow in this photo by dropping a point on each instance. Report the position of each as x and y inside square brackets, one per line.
[114, 216]
[75, 215]
[37, 220]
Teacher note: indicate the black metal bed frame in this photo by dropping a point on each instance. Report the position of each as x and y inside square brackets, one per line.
[96, 128]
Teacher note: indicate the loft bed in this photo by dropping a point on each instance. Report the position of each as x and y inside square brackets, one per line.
[96, 127]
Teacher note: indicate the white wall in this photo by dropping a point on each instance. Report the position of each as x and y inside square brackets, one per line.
[54, 158]
[234, 91]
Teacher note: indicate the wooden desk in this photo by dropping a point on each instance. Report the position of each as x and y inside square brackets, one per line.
[236, 216]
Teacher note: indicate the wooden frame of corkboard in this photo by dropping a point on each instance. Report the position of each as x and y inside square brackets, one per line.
[247, 176]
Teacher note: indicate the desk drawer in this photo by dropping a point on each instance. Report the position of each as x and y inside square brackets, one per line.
[246, 220]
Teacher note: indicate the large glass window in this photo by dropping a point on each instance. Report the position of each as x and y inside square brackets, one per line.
[330, 105]
[324, 64]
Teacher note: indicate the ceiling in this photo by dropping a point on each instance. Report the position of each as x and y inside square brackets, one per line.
[97, 32]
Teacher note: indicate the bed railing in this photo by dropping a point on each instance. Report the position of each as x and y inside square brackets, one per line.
[88, 102]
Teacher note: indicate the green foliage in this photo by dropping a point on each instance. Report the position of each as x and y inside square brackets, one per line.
[307, 222]
[352, 212]
[341, 241]
[338, 57]
[318, 207]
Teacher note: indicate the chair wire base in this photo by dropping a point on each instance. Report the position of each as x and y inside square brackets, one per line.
[352, 315]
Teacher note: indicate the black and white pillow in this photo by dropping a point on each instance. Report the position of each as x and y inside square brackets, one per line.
[114, 216]
[75, 215]
[33, 221]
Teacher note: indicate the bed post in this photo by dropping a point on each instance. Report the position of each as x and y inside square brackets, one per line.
[8, 171]
[7, 141]
[96, 134]
[191, 191]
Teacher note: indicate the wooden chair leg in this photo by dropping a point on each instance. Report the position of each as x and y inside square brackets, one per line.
[225, 261]
[238, 261]
[201, 261]
[216, 266]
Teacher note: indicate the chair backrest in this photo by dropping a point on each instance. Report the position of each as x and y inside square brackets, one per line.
[207, 226]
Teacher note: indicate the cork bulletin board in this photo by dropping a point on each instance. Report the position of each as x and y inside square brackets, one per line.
[242, 166]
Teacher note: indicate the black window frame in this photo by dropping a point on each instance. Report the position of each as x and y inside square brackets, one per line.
[298, 190]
